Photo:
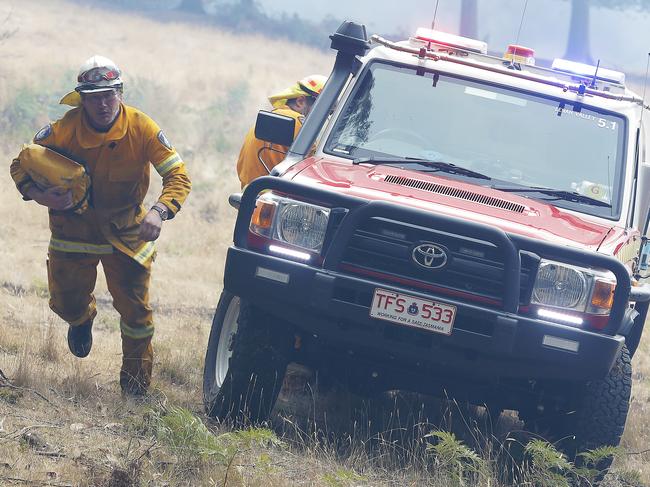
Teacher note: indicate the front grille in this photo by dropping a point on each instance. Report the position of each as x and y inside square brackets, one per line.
[456, 193]
[383, 248]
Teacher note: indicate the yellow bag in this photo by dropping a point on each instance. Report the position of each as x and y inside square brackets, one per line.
[48, 169]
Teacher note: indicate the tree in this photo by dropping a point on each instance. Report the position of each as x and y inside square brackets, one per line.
[468, 19]
[578, 48]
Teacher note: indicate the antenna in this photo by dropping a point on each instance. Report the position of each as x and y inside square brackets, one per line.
[435, 14]
[593, 80]
[645, 86]
[512, 64]
[521, 23]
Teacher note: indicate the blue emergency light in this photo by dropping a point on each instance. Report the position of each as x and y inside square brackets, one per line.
[587, 71]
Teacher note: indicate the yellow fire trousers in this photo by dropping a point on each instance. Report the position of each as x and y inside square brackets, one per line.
[71, 279]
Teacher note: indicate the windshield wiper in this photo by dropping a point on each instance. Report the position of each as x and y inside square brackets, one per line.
[436, 166]
[558, 193]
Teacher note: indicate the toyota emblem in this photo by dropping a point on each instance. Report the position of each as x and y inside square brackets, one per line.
[429, 256]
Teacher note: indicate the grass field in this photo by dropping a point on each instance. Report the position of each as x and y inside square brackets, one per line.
[62, 420]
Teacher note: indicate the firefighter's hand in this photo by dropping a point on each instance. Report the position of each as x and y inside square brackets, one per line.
[56, 198]
[150, 226]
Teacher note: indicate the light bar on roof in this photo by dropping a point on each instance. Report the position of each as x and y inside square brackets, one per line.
[449, 40]
[520, 54]
[588, 71]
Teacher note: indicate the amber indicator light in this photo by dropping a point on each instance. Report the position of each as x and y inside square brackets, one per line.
[603, 295]
[263, 215]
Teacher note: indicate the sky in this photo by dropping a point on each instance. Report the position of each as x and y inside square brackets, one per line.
[620, 39]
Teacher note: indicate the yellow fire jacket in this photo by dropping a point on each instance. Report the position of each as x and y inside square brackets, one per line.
[248, 165]
[118, 162]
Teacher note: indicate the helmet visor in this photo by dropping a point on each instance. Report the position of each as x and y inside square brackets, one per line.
[96, 75]
[308, 90]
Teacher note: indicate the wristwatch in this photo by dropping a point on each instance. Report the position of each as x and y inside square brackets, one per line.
[163, 212]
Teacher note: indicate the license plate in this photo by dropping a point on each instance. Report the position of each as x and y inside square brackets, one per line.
[411, 311]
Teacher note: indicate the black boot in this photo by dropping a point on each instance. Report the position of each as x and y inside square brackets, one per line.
[80, 339]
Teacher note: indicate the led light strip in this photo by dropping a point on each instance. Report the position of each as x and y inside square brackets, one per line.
[556, 316]
[296, 254]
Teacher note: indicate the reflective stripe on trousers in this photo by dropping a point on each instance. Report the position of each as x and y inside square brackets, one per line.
[136, 332]
[80, 247]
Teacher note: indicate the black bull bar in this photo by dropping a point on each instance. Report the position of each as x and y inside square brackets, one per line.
[509, 245]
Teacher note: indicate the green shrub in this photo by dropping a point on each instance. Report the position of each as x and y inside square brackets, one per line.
[547, 467]
[460, 462]
[592, 458]
[187, 436]
[342, 477]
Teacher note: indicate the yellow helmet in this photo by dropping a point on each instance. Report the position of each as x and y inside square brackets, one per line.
[313, 84]
[308, 86]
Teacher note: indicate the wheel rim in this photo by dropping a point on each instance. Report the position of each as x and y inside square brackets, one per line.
[224, 348]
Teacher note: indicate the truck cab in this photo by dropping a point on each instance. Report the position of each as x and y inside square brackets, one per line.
[452, 223]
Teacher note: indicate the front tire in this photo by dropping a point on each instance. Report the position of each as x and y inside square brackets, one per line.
[605, 404]
[597, 418]
[245, 362]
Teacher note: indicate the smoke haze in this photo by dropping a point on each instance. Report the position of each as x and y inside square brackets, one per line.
[620, 39]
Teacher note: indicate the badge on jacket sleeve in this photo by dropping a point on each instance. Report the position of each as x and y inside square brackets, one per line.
[44, 133]
[164, 141]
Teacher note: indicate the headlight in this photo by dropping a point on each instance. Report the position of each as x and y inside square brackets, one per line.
[557, 285]
[562, 287]
[296, 223]
[302, 225]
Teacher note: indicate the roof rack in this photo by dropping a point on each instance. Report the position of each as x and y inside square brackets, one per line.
[578, 88]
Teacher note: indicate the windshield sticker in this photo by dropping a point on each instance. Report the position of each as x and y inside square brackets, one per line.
[592, 190]
[431, 155]
[341, 150]
[602, 123]
[491, 95]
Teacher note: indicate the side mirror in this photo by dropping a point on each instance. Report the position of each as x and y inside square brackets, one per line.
[274, 128]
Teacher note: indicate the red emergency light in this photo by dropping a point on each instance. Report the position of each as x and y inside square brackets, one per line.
[446, 40]
[520, 54]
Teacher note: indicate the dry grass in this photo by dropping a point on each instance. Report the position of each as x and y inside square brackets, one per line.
[49, 347]
[64, 421]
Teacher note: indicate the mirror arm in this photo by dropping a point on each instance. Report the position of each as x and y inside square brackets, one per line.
[234, 200]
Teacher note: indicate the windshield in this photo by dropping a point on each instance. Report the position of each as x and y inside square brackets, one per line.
[518, 140]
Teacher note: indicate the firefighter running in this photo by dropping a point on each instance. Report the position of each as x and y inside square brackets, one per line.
[256, 157]
[116, 143]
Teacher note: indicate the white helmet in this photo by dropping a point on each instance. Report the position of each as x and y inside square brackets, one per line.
[98, 73]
